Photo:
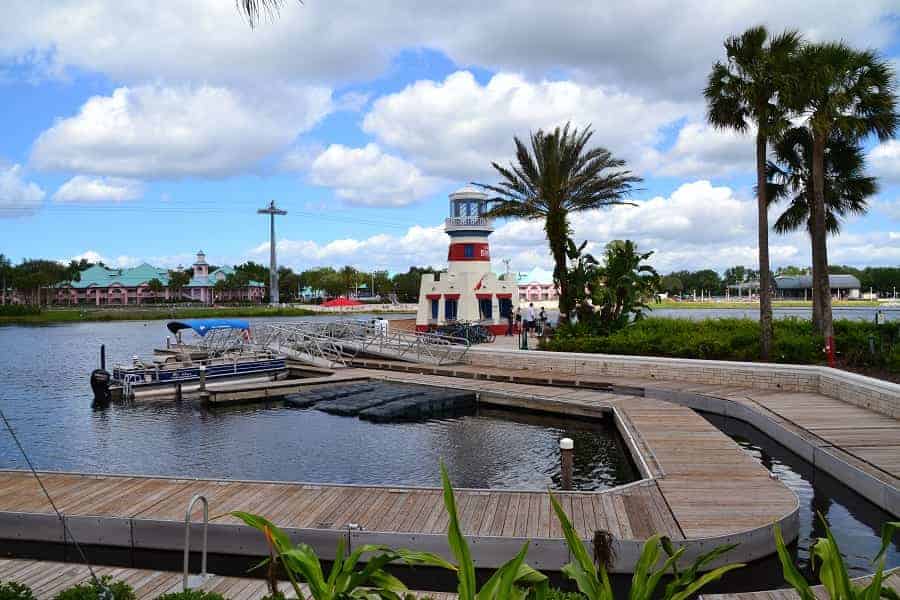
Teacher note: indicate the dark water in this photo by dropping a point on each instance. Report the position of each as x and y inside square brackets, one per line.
[45, 394]
[854, 521]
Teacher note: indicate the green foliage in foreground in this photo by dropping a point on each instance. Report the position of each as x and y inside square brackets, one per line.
[593, 581]
[832, 570]
[738, 339]
[15, 591]
[91, 590]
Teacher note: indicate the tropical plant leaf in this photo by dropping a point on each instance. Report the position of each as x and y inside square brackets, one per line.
[458, 545]
[790, 572]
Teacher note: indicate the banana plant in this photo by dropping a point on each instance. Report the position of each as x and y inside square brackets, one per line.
[348, 577]
[593, 581]
[832, 570]
[515, 580]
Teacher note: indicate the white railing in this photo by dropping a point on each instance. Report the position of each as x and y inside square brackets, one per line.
[467, 222]
[340, 341]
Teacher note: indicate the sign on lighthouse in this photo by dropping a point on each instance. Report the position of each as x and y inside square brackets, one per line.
[469, 291]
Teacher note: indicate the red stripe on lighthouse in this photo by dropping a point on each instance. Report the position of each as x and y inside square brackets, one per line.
[480, 251]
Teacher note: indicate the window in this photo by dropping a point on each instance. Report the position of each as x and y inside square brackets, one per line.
[486, 308]
[434, 308]
[469, 251]
[450, 310]
[505, 307]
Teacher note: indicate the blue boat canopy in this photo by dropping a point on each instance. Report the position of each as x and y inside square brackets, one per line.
[202, 326]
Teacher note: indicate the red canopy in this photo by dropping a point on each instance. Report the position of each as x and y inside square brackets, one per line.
[342, 301]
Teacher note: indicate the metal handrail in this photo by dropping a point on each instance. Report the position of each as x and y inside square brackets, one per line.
[339, 341]
[187, 539]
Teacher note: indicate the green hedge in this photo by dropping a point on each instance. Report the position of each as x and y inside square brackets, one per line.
[738, 339]
[19, 310]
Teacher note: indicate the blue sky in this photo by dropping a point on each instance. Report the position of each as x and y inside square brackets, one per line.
[133, 133]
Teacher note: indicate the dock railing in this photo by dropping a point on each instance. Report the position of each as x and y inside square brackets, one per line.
[341, 341]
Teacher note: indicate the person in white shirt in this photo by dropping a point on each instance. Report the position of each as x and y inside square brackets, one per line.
[529, 318]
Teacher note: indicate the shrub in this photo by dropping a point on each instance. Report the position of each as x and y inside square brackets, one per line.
[860, 344]
[19, 310]
[15, 591]
[196, 595]
[91, 590]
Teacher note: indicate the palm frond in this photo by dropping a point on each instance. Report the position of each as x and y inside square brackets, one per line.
[256, 10]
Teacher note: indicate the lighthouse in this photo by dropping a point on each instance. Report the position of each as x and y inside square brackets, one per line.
[469, 291]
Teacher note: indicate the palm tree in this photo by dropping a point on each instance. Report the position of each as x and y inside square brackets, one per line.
[744, 91]
[790, 178]
[556, 177]
[254, 10]
[844, 92]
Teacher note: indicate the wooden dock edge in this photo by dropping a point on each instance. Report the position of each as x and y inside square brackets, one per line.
[824, 457]
[490, 552]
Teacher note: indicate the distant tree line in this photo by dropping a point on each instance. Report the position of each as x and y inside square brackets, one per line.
[882, 280]
[32, 278]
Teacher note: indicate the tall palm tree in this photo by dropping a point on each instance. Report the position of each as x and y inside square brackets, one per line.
[744, 91]
[557, 176]
[843, 92]
[790, 178]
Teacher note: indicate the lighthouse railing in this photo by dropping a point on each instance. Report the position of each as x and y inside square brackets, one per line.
[467, 222]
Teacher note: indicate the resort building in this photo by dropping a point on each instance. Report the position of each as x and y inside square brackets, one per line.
[469, 291]
[799, 287]
[101, 285]
[537, 286]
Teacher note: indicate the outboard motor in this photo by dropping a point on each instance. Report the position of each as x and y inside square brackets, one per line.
[100, 379]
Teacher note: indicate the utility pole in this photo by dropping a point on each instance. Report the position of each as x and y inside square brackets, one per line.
[506, 262]
[271, 210]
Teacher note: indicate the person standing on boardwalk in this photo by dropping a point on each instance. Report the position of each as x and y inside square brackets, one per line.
[509, 322]
[529, 320]
[542, 321]
[518, 319]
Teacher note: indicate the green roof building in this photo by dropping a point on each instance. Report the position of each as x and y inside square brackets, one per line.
[101, 285]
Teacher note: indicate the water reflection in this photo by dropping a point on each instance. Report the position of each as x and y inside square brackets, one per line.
[854, 521]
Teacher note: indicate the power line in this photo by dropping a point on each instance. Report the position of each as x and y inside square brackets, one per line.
[68, 533]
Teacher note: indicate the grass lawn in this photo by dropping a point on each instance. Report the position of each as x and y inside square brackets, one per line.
[776, 304]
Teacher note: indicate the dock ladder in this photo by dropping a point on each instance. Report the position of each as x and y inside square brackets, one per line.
[192, 581]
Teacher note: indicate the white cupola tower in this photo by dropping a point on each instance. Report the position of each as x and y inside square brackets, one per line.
[201, 268]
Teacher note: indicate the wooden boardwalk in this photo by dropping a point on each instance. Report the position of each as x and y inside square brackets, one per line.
[635, 511]
[46, 579]
[698, 487]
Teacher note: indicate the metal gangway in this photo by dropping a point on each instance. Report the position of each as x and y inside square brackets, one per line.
[335, 343]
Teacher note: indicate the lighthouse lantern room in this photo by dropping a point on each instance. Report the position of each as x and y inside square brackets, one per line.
[469, 291]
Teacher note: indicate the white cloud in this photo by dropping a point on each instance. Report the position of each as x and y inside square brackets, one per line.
[697, 226]
[421, 246]
[18, 197]
[368, 176]
[649, 46]
[889, 208]
[123, 261]
[156, 131]
[454, 128]
[703, 151]
[885, 161]
[82, 188]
